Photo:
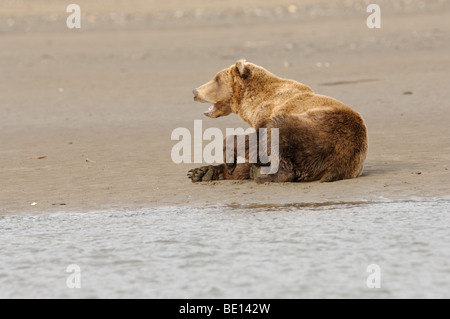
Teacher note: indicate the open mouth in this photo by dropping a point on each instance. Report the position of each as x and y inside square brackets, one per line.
[210, 111]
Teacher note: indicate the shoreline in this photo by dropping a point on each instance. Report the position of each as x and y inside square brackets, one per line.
[250, 208]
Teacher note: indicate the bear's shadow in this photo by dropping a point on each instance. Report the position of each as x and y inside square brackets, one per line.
[383, 168]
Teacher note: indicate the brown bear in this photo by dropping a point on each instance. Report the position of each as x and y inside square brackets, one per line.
[320, 138]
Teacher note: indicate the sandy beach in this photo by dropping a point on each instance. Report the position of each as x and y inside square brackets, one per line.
[99, 103]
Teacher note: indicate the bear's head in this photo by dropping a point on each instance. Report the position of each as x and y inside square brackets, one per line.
[220, 90]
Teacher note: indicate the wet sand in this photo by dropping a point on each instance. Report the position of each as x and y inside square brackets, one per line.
[112, 93]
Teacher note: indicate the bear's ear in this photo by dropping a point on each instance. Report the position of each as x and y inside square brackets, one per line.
[240, 66]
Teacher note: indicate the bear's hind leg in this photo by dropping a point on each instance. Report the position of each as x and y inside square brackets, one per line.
[220, 172]
[231, 171]
[237, 171]
[331, 176]
[282, 176]
[206, 173]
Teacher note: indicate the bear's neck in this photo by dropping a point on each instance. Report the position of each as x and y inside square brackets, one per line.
[255, 101]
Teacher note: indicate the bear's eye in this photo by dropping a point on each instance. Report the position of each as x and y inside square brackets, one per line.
[217, 79]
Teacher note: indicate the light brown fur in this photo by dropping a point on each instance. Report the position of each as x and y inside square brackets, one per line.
[320, 137]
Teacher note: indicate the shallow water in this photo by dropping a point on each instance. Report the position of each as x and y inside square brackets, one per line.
[256, 251]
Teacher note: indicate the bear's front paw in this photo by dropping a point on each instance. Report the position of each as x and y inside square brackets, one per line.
[202, 174]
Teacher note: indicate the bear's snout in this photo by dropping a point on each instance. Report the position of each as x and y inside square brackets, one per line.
[195, 91]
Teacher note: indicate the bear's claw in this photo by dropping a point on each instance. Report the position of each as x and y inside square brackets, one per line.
[202, 174]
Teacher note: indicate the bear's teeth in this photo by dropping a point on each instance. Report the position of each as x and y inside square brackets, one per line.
[211, 109]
